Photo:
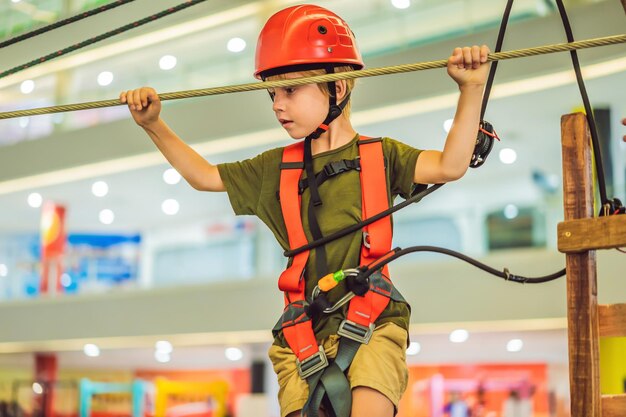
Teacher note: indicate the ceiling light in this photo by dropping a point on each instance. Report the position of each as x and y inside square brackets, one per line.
[91, 350]
[514, 345]
[511, 211]
[447, 125]
[413, 349]
[171, 176]
[507, 156]
[35, 200]
[459, 336]
[553, 180]
[37, 388]
[164, 346]
[401, 4]
[542, 8]
[4, 270]
[16, 1]
[27, 86]
[24, 121]
[236, 45]
[100, 188]
[106, 216]
[233, 354]
[167, 62]
[170, 206]
[66, 280]
[105, 78]
[162, 356]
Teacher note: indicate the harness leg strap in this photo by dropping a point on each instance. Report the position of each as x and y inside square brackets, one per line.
[333, 383]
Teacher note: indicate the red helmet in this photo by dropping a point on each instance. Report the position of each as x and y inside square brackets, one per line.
[305, 35]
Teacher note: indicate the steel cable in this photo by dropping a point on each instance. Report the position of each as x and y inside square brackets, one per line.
[396, 69]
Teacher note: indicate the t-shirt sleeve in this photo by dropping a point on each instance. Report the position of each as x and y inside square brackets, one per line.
[401, 166]
[243, 181]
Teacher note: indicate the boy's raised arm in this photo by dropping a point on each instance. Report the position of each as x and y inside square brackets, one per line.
[469, 68]
[145, 107]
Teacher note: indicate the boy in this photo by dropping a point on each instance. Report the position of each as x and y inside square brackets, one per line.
[304, 179]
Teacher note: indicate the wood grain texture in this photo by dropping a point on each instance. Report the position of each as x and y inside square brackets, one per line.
[612, 320]
[582, 308]
[587, 234]
[614, 405]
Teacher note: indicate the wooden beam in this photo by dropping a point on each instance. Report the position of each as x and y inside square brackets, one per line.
[612, 320]
[614, 405]
[605, 232]
[582, 308]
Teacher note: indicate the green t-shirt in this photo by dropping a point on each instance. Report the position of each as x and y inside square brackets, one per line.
[252, 185]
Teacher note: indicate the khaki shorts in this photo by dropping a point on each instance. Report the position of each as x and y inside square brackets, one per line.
[380, 365]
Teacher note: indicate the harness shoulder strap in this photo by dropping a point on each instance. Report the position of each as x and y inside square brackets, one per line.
[296, 325]
[364, 310]
[373, 183]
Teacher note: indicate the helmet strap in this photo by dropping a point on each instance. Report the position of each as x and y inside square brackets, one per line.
[334, 109]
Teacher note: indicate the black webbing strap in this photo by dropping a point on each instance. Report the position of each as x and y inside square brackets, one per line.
[330, 170]
[321, 265]
[332, 383]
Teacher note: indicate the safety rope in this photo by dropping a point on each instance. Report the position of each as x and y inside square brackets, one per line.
[396, 69]
[101, 37]
[505, 274]
[595, 140]
[63, 22]
[360, 225]
[494, 66]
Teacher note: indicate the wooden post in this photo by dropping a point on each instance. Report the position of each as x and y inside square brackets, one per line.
[582, 308]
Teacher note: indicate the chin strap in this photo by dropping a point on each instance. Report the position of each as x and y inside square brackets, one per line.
[334, 109]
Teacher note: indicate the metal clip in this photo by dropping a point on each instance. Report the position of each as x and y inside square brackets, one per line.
[349, 296]
[355, 331]
[312, 364]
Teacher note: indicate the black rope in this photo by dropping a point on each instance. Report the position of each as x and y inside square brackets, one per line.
[63, 22]
[590, 118]
[101, 37]
[358, 226]
[505, 274]
[494, 65]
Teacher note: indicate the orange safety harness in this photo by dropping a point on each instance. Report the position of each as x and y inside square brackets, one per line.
[363, 310]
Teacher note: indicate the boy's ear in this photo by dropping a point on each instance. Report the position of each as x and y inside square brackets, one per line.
[340, 87]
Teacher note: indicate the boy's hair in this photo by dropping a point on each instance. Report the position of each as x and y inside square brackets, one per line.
[323, 86]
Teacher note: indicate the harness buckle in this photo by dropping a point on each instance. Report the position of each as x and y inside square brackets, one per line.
[335, 167]
[355, 331]
[312, 364]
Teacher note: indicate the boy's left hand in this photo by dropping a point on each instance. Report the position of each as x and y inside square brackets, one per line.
[469, 66]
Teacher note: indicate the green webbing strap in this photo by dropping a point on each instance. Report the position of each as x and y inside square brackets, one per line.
[333, 383]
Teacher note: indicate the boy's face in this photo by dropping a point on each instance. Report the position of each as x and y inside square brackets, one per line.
[300, 109]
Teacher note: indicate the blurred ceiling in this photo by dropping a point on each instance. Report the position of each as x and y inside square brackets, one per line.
[105, 145]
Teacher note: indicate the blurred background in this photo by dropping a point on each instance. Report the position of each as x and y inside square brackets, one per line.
[123, 291]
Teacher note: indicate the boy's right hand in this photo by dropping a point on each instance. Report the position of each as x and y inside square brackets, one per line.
[144, 105]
